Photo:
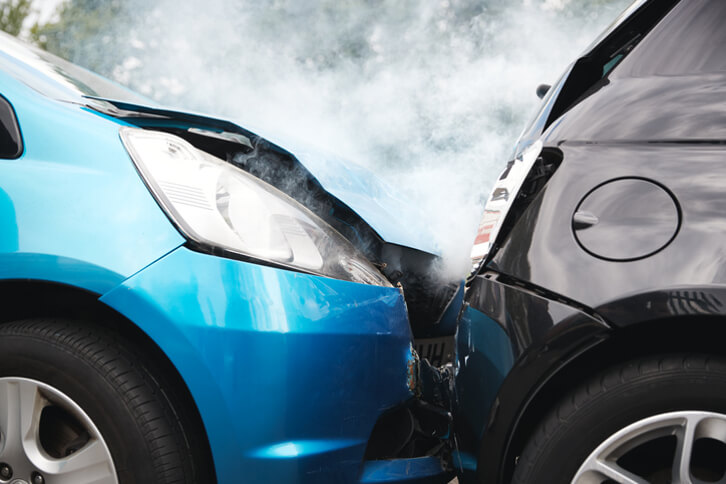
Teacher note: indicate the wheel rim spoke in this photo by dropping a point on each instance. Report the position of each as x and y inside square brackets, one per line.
[90, 464]
[616, 473]
[9, 422]
[684, 450]
[22, 404]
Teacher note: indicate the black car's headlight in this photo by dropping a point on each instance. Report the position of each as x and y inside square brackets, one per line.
[216, 204]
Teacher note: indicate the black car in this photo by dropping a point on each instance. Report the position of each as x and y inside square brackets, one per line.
[592, 345]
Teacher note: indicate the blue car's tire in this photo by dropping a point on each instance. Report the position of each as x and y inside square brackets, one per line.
[80, 404]
[657, 419]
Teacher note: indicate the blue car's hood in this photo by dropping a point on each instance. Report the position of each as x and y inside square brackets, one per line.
[394, 218]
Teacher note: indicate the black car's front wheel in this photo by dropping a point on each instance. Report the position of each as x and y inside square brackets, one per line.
[79, 404]
[650, 421]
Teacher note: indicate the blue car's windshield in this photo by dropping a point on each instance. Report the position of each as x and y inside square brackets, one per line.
[55, 77]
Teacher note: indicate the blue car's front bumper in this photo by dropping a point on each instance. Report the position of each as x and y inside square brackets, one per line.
[289, 371]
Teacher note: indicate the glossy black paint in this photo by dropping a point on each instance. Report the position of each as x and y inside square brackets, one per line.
[633, 209]
[541, 248]
[516, 340]
[643, 154]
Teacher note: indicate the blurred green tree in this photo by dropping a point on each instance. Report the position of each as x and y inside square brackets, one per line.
[77, 29]
[12, 15]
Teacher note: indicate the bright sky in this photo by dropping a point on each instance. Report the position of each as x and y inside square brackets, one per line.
[46, 8]
[43, 11]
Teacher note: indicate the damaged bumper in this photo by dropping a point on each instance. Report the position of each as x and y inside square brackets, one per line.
[290, 372]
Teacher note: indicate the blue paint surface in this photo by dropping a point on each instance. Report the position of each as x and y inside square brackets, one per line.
[420, 470]
[484, 358]
[73, 209]
[290, 371]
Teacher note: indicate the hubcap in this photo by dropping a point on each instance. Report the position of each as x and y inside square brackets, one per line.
[46, 437]
[676, 447]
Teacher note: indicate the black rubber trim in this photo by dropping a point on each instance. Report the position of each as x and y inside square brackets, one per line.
[11, 139]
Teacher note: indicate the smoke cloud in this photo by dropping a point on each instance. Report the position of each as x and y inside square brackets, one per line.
[429, 95]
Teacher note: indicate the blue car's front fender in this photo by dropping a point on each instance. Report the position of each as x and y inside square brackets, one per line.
[290, 371]
[73, 208]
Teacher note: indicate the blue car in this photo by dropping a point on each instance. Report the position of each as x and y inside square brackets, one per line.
[185, 301]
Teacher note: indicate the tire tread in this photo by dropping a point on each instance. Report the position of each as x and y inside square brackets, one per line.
[117, 362]
[586, 396]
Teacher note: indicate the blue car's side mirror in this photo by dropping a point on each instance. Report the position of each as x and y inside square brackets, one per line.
[11, 142]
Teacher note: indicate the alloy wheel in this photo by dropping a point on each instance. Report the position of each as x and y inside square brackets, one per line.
[686, 447]
[46, 438]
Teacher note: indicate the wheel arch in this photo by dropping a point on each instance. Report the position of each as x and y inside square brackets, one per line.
[701, 333]
[27, 299]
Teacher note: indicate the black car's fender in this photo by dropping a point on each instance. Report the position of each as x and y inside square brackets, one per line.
[546, 346]
[511, 342]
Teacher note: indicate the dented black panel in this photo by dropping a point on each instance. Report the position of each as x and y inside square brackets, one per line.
[513, 337]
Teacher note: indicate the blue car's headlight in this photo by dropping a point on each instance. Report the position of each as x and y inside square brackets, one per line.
[216, 204]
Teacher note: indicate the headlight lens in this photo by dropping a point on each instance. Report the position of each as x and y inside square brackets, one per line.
[216, 204]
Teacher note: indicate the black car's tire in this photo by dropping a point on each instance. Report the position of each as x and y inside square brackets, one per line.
[640, 402]
[96, 392]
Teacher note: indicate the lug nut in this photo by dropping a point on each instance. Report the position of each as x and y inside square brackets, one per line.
[37, 478]
[5, 471]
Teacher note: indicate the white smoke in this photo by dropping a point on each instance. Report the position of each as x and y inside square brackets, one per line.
[430, 95]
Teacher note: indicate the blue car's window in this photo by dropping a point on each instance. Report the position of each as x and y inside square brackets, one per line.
[11, 143]
[55, 77]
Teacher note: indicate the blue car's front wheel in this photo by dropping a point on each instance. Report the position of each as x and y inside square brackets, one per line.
[47, 437]
[79, 405]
